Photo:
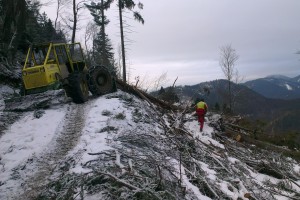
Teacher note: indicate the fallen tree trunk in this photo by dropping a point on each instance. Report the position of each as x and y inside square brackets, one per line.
[149, 98]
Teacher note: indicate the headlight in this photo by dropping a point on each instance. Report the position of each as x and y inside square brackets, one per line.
[42, 69]
[24, 73]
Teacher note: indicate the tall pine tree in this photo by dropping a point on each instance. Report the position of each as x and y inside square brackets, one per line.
[127, 4]
[102, 48]
[122, 4]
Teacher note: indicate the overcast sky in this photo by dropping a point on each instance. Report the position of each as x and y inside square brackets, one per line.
[183, 38]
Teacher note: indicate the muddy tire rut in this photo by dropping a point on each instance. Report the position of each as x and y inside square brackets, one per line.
[67, 137]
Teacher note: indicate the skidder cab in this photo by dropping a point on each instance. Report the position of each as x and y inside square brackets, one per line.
[60, 65]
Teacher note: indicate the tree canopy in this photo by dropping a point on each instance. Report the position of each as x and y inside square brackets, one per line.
[22, 24]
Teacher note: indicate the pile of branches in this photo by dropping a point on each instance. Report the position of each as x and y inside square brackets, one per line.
[170, 163]
[10, 75]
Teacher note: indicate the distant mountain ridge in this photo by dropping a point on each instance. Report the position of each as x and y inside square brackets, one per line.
[280, 115]
[276, 87]
[247, 102]
[296, 79]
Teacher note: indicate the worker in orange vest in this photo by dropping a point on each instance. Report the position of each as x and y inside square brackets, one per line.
[201, 109]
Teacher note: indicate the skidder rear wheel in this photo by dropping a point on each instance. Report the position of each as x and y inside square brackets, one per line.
[100, 80]
[22, 90]
[79, 91]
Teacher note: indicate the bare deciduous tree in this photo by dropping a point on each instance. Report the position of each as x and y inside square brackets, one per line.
[71, 20]
[59, 6]
[228, 58]
[147, 83]
[90, 34]
[76, 7]
[161, 80]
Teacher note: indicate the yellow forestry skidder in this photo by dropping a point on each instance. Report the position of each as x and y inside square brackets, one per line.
[60, 65]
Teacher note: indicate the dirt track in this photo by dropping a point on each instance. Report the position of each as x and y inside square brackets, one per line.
[68, 134]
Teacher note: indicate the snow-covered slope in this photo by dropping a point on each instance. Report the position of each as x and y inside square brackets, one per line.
[121, 147]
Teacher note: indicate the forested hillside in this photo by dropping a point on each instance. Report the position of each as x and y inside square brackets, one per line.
[22, 24]
[276, 87]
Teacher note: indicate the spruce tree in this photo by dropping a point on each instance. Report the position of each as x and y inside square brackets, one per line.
[122, 4]
[103, 51]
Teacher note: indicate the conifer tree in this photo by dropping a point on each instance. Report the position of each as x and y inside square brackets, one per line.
[129, 5]
[103, 51]
[22, 24]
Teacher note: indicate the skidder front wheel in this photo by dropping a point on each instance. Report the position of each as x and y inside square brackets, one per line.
[78, 87]
[100, 80]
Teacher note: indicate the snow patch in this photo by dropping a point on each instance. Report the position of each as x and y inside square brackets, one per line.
[288, 87]
[233, 160]
[211, 174]
[25, 139]
[180, 173]
[5, 90]
[297, 169]
[206, 135]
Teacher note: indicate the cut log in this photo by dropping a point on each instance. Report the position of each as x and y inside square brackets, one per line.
[143, 95]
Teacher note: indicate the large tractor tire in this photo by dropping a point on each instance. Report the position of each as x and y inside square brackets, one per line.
[78, 87]
[100, 81]
[22, 90]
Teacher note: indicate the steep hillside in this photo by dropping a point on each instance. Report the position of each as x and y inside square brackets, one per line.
[121, 147]
[276, 87]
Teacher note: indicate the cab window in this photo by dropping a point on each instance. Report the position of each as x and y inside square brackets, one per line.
[61, 54]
